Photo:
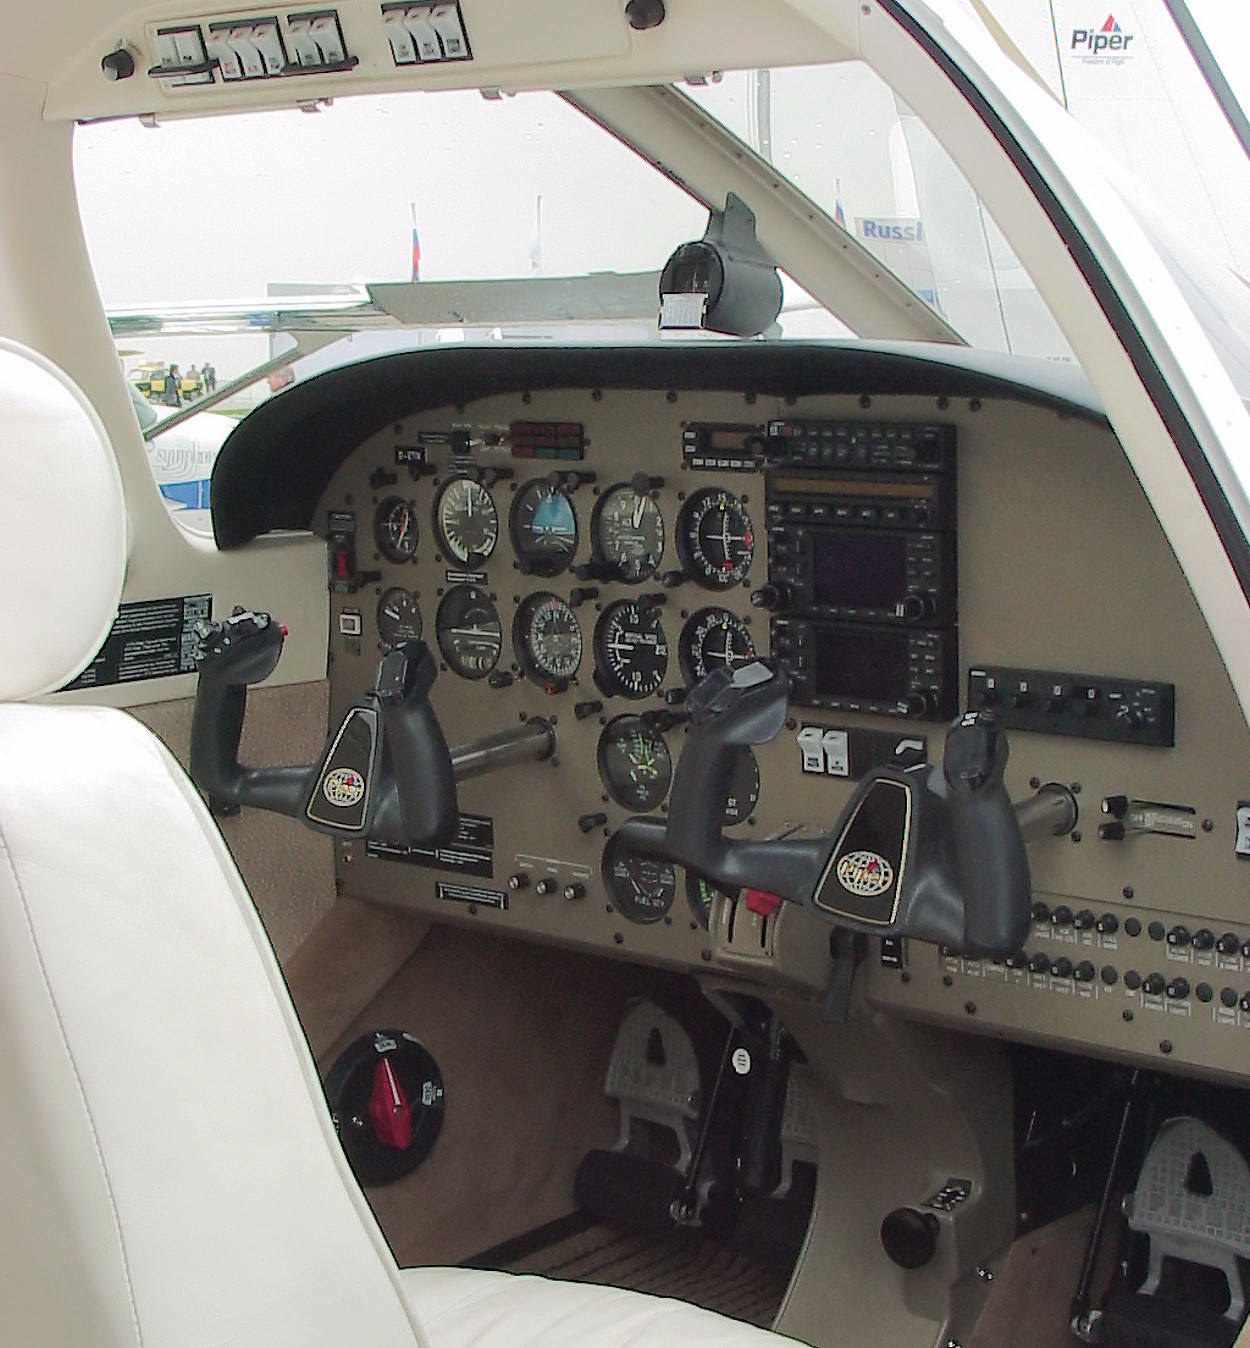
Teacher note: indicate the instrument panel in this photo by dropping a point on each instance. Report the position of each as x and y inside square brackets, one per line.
[587, 555]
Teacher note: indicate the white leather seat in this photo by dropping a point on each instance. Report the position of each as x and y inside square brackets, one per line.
[169, 1175]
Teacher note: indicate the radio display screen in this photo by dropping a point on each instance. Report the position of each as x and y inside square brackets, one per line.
[861, 662]
[857, 570]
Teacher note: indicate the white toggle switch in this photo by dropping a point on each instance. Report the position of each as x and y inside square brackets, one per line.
[245, 49]
[188, 47]
[837, 753]
[324, 30]
[223, 53]
[446, 21]
[403, 49]
[269, 44]
[1242, 845]
[811, 747]
[417, 22]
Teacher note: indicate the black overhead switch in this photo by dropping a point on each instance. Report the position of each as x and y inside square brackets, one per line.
[118, 65]
[910, 1237]
[644, 14]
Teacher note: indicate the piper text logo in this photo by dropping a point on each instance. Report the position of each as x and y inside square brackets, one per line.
[1106, 45]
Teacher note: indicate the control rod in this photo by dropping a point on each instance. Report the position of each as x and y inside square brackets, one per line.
[1050, 812]
[533, 741]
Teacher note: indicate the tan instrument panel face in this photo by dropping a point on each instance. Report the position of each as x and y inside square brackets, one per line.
[1061, 567]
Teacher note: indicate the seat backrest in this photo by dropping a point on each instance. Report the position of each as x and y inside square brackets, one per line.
[169, 1174]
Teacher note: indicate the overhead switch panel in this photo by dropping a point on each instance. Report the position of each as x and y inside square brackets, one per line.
[253, 48]
[426, 32]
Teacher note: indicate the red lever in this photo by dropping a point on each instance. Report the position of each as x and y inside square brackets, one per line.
[761, 901]
[388, 1108]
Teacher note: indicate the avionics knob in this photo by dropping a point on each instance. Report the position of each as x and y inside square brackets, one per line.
[1154, 984]
[772, 596]
[519, 881]
[1178, 988]
[1039, 964]
[918, 606]
[546, 885]
[910, 1237]
[917, 704]
[575, 891]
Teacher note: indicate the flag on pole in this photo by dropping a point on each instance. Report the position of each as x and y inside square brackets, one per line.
[416, 246]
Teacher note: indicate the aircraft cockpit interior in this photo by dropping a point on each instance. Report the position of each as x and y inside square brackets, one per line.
[684, 777]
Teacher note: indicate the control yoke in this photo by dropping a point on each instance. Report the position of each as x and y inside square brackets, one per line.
[933, 852]
[385, 774]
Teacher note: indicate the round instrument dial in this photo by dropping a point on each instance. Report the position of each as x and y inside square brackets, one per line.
[700, 894]
[628, 533]
[642, 890]
[399, 616]
[715, 538]
[466, 521]
[468, 630]
[543, 525]
[631, 653]
[395, 529]
[713, 638]
[744, 787]
[547, 639]
[635, 764]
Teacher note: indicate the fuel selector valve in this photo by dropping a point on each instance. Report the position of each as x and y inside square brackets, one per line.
[936, 853]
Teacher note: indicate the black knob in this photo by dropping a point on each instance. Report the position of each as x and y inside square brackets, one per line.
[1178, 989]
[1108, 974]
[118, 65]
[1229, 943]
[1204, 992]
[1153, 984]
[917, 704]
[1040, 912]
[910, 1237]
[1132, 927]
[1228, 997]
[1132, 980]
[1062, 967]
[589, 822]
[772, 596]
[1061, 916]
[644, 14]
[1156, 931]
[1085, 920]
[674, 697]
[519, 881]
[1018, 961]
[574, 891]
[591, 570]
[1084, 972]
[642, 483]
[545, 886]
[1108, 924]
[579, 594]
[1112, 832]
[1039, 964]
[1204, 939]
[584, 709]
[1178, 935]
[500, 678]
[1115, 806]
[669, 579]
[656, 599]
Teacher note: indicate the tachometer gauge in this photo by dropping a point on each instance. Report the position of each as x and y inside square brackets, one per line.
[744, 787]
[466, 521]
[468, 630]
[700, 895]
[543, 525]
[628, 530]
[547, 639]
[395, 529]
[713, 638]
[641, 890]
[631, 654]
[715, 538]
[634, 763]
[399, 616]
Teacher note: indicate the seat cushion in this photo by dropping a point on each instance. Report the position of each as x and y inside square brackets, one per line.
[471, 1308]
